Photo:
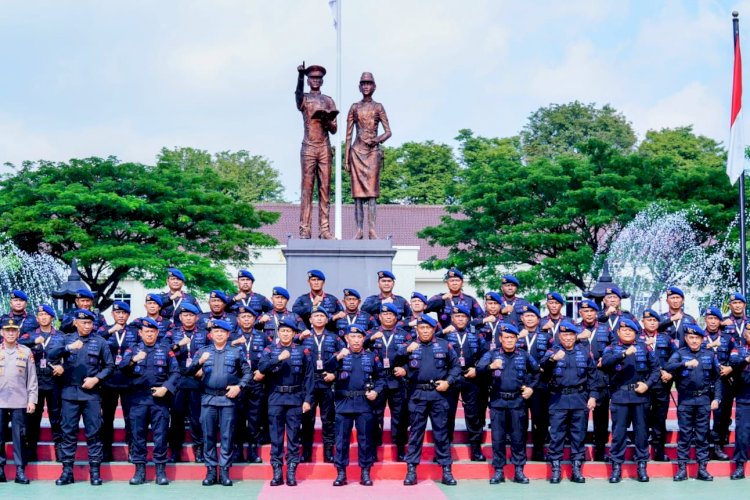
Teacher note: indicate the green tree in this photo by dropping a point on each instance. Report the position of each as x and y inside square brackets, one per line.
[134, 220]
[563, 128]
[253, 179]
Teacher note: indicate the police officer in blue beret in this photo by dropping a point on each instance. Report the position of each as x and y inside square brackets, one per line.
[154, 304]
[696, 373]
[385, 340]
[270, 321]
[187, 337]
[152, 371]
[359, 381]
[223, 372]
[87, 362]
[41, 341]
[551, 321]
[659, 394]
[674, 320]
[246, 296]
[218, 310]
[322, 345]
[443, 304]
[253, 404]
[571, 370]
[290, 375]
[432, 368]
[489, 325]
[120, 337]
[418, 305]
[316, 298]
[737, 318]
[632, 370]
[353, 315]
[386, 282]
[470, 348]
[721, 340]
[740, 363]
[511, 303]
[176, 296]
[512, 374]
[84, 301]
[19, 301]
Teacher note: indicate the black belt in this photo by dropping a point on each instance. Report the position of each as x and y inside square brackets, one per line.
[628, 387]
[696, 394]
[287, 389]
[215, 392]
[425, 387]
[568, 390]
[350, 394]
[508, 395]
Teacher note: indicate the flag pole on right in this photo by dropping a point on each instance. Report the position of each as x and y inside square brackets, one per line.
[736, 154]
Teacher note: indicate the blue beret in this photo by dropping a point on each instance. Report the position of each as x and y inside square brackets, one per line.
[556, 296]
[188, 308]
[47, 309]
[322, 310]
[713, 311]
[244, 273]
[176, 273]
[567, 326]
[386, 274]
[650, 313]
[461, 309]
[454, 273]
[218, 294]
[737, 296]
[315, 273]
[155, 297]
[694, 330]
[289, 322]
[147, 323]
[83, 293]
[84, 314]
[509, 278]
[277, 290]
[508, 328]
[243, 309]
[429, 320]
[589, 304]
[417, 295]
[221, 324]
[528, 308]
[351, 292]
[493, 296]
[613, 290]
[119, 305]
[18, 294]
[629, 323]
[389, 307]
[355, 329]
[9, 322]
[673, 290]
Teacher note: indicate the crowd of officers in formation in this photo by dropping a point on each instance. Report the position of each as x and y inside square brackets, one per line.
[251, 370]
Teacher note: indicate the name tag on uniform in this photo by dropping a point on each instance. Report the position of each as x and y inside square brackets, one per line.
[319, 364]
[43, 363]
[462, 361]
[118, 359]
[188, 361]
[386, 363]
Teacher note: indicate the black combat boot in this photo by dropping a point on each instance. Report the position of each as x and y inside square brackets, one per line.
[224, 477]
[411, 475]
[161, 475]
[340, 477]
[703, 474]
[576, 476]
[681, 474]
[556, 476]
[739, 471]
[519, 477]
[476, 453]
[278, 475]
[198, 451]
[252, 454]
[95, 474]
[328, 453]
[58, 452]
[448, 478]
[719, 453]
[616, 475]
[291, 475]
[65, 478]
[364, 478]
[659, 455]
[140, 475]
[498, 477]
[642, 473]
[210, 476]
[400, 452]
[21, 475]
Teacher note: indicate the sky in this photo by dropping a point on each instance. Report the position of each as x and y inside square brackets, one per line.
[129, 77]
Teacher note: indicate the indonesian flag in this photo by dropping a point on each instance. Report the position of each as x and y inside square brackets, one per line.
[736, 157]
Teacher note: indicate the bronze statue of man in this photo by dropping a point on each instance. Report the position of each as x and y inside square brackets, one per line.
[364, 158]
[319, 118]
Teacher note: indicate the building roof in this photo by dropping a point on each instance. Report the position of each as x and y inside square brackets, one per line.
[401, 222]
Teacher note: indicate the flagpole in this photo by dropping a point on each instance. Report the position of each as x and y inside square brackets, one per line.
[337, 137]
[743, 239]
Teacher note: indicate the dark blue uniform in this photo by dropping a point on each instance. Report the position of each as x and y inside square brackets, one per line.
[676, 329]
[364, 320]
[271, 327]
[224, 367]
[444, 307]
[356, 374]
[536, 343]
[254, 301]
[303, 306]
[629, 407]
[67, 326]
[430, 362]
[603, 336]
[170, 306]
[517, 303]
[290, 384]
[660, 393]
[696, 388]
[470, 348]
[507, 409]
[741, 371]
[94, 359]
[27, 322]
[158, 369]
[371, 305]
[723, 416]
[205, 318]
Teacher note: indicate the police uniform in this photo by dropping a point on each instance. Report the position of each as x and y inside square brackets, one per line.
[356, 374]
[676, 329]
[50, 387]
[18, 389]
[224, 367]
[170, 308]
[469, 347]
[722, 417]
[158, 369]
[225, 315]
[518, 369]
[371, 305]
[515, 303]
[25, 321]
[303, 306]
[430, 362]
[444, 307]
[361, 319]
[409, 323]
[696, 388]
[740, 363]
[394, 391]
[290, 384]
[67, 326]
[572, 383]
[93, 359]
[187, 398]
[625, 372]
[255, 301]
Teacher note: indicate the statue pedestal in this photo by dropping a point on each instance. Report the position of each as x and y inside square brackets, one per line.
[346, 264]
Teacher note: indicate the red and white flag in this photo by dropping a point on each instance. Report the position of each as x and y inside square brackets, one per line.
[736, 156]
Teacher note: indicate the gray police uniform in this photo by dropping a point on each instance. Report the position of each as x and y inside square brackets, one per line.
[18, 388]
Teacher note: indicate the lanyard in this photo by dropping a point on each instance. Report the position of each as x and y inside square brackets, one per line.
[611, 324]
[350, 321]
[387, 341]
[532, 340]
[677, 324]
[740, 326]
[175, 305]
[319, 344]
[556, 327]
[461, 341]
[493, 330]
[120, 339]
